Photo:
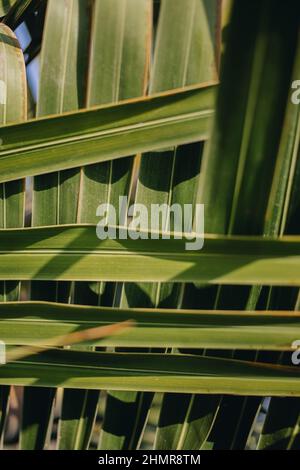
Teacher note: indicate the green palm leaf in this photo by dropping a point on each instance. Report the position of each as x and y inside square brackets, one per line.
[28, 322]
[75, 253]
[13, 107]
[107, 132]
[151, 372]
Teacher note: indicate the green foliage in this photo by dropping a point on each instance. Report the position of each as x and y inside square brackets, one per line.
[129, 105]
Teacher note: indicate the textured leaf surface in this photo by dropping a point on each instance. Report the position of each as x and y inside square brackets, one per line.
[151, 372]
[101, 134]
[27, 322]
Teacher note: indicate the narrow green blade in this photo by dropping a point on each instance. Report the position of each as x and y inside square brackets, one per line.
[248, 141]
[185, 53]
[36, 417]
[62, 82]
[97, 135]
[281, 428]
[152, 373]
[13, 107]
[28, 322]
[184, 421]
[77, 419]
[74, 253]
[116, 73]
[276, 24]
[194, 34]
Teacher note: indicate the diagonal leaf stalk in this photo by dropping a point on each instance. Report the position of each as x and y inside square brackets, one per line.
[151, 372]
[75, 253]
[90, 334]
[51, 324]
[108, 132]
